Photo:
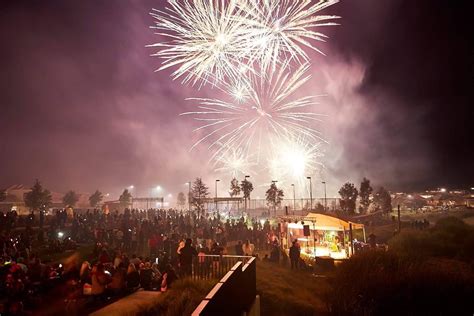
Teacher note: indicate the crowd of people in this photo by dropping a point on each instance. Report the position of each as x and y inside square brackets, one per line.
[131, 249]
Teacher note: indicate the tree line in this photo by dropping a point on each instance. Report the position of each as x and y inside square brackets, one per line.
[40, 198]
[368, 200]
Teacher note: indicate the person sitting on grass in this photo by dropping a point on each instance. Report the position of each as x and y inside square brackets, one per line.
[146, 276]
[133, 277]
[99, 280]
[168, 278]
[117, 285]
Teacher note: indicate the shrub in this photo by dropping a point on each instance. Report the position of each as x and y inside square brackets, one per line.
[383, 283]
[449, 238]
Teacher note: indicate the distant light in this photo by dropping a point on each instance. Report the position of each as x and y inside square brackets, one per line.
[410, 196]
[158, 187]
[131, 187]
[442, 190]
[262, 221]
[170, 195]
[472, 188]
[60, 234]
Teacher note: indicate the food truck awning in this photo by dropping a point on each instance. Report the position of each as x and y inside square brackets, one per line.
[325, 222]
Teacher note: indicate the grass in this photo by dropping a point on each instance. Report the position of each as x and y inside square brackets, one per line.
[424, 272]
[383, 283]
[183, 298]
[287, 292]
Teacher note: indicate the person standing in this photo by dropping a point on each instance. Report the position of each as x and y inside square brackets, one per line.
[294, 255]
[186, 255]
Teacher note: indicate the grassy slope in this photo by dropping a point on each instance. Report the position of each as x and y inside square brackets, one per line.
[286, 292]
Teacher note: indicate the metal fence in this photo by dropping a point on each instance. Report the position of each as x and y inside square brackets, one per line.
[207, 267]
[234, 294]
[293, 206]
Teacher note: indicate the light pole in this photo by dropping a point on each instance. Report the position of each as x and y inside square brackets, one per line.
[294, 198]
[310, 193]
[325, 198]
[245, 179]
[217, 180]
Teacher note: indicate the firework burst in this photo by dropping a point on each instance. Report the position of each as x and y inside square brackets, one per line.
[282, 28]
[294, 158]
[207, 39]
[270, 113]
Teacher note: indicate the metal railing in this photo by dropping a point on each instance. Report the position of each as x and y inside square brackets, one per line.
[295, 206]
[234, 294]
[206, 267]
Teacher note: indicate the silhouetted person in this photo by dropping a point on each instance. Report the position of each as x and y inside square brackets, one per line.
[186, 257]
[295, 255]
[238, 249]
[372, 241]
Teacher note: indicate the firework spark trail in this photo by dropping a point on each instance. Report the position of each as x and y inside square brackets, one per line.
[294, 158]
[254, 51]
[206, 39]
[235, 162]
[270, 112]
[214, 40]
[280, 27]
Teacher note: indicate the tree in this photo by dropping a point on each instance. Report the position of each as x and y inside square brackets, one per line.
[3, 195]
[125, 198]
[70, 198]
[274, 196]
[247, 188]
[383, 200]
[319, 208]
[199, 191]
[365, 193]
[181, 200]
[38, 198]
[95, 198]
[348, 194]
[234, 188]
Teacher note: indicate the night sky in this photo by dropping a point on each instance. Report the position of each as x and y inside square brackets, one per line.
[82, 108]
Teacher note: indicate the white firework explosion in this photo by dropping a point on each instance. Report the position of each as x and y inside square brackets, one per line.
[281, 29]
[207, 39]
[270, 113]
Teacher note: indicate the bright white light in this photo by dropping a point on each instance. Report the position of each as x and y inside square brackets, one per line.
[60, 234]
[294, 158]
[158, 188]
[131, 187]
[262, 222]
[442, 190]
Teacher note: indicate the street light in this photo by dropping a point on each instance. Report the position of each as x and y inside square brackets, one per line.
[310, 192]
[217, 180]
[294, 198]
[325, 198]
